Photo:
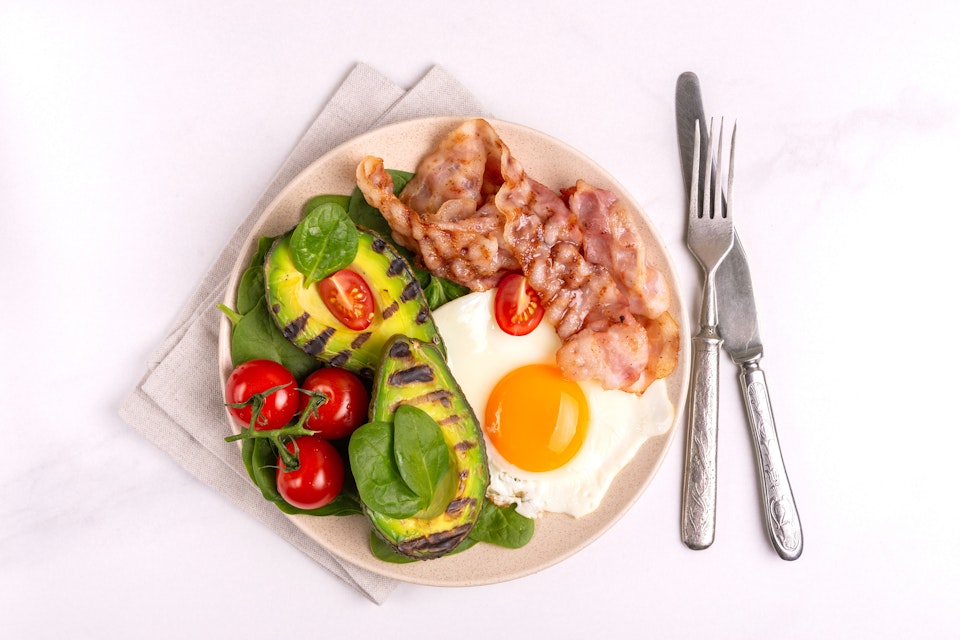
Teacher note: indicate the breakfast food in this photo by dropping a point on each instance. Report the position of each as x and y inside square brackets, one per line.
[553, 445]
[512, 341]
[375, 297]
[473, 215]
[415, 374]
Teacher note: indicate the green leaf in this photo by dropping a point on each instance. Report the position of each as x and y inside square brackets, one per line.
[324, 242]
[381, 488]
[314, 202]
[264, 469]
[440, 291]
[422, 455]
[343, 505]
[252, 286]
[383, 551]
[502, 526]
[246, 453]
[256, 336]
[260, 459]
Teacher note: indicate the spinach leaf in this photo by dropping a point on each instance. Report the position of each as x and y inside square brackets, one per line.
[374, 466]
[262, 467]
[366, 215]
[420, 450]
[246, 453]
[252, 283]
[383, 551]
[502, 526]
[257, 336]
[440, 291]
[316, 201]
[324, 242]
[344, 504]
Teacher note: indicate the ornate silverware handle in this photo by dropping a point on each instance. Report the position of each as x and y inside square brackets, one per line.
[699, 500]
[780, 511]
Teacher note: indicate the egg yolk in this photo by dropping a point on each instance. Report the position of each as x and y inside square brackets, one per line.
[536, 418]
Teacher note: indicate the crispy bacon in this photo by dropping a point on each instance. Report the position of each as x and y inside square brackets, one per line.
[466, 248]
[612, 240]
[472, 215]
[446, 212]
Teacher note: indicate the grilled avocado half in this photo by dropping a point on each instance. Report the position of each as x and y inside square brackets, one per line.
[414, 372]
[304, 319]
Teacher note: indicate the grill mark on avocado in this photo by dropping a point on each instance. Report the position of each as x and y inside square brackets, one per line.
[318, 344]
[396, 267]
[443, 396]
[464, 445]
[423, 315]
[400, 350]
[341, 358]
[389, 311]
[293, 328]
[440, 395]
[360, 339]
[410, 291]
[378, 244]
[458, 505]
[412, 375]
[435, 544]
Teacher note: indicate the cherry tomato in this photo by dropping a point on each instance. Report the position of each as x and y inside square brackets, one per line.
[318, 479]
[517, 306]
[348, 297]
[258, 376]
[346, 405]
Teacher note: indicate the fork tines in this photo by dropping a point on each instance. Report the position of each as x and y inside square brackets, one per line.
[721, 198]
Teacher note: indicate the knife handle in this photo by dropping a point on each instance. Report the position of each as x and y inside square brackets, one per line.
[699, 500]
[779, 509]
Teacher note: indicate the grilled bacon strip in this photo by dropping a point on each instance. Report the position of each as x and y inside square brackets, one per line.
[473, 215]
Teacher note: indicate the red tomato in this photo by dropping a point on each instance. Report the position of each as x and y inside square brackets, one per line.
[258, 376]
[318, 479]
[348, 297]
[517, 306]
[346, 405]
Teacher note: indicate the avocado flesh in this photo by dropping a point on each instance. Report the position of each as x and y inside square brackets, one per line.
[304, 319]
[415, 373]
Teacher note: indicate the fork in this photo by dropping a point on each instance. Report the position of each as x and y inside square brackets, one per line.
[709, 238]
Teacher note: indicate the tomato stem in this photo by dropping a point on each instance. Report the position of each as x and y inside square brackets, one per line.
[279, 437]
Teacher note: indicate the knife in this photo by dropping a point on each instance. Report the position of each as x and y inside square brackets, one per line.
[739, 328]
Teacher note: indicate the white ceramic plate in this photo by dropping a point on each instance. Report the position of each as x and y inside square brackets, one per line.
[557, 165]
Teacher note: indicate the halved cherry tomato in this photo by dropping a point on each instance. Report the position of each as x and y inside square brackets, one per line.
[517, 306]
[318, 479]
[348, 297]
[346, 405]
[258, 376]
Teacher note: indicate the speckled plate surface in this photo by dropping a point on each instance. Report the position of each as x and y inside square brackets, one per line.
[557, 165]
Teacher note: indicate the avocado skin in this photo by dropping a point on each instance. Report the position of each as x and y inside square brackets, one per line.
[304, 319]
[415, 373]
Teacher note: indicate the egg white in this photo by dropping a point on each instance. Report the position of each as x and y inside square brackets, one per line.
[480, 354]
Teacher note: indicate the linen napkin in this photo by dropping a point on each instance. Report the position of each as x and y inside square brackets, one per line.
[178, 404]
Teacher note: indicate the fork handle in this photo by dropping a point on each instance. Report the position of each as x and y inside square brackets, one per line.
[699, 500]
[779, 509]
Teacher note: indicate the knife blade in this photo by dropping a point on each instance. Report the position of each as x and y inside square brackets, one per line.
[739, 328]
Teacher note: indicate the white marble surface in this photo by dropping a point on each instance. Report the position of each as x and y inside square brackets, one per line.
[135, 136]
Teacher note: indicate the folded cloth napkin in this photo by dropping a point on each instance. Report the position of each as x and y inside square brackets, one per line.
[178, 404]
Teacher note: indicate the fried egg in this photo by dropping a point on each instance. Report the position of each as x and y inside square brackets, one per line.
[553, 445]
